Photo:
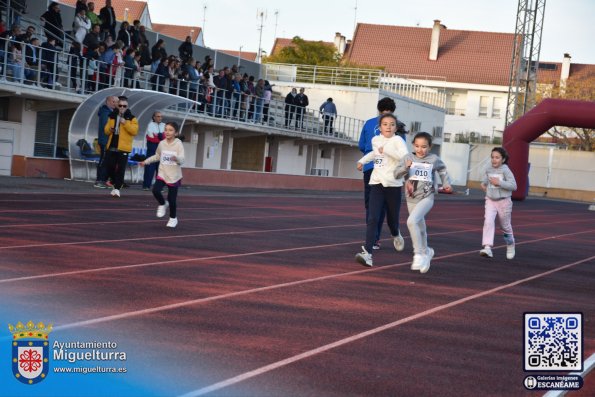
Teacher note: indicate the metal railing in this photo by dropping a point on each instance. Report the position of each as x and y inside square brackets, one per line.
[367, 78]
[71, 73]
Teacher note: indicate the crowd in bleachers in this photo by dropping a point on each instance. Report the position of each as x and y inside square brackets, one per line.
[92, 56]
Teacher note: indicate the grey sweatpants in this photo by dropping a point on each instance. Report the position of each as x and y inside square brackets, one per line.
[417, 224]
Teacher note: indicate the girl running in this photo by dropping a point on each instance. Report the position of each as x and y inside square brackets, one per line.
[420, 168]
[498, 182]
[170, 155]
[385, 190]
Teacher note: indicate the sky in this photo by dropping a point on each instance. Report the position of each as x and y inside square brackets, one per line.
[231, 24]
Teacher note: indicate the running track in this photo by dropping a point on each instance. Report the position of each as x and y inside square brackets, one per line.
[258, 294]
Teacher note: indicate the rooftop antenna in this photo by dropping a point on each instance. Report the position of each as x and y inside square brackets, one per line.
[262, 14]
[355, 16]
[204, 17]
[276, 20]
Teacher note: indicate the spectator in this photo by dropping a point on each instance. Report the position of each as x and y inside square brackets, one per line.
[134, 30]
[92, 39]
[108, 19]
[157, 55]
[17, 64]
[301, 103]
[27, 36]
[104, 111]
[268, 94]
[258, 100]
[75, 60]
[153, 136]
[329, 112]
[52, 20]
[290, 107]
[32, 60]
[81, 25]
[121, 128]
[93, 18]
[48, 62]
[92, 70]
[185, 49]
[124, 34]
[81, 5]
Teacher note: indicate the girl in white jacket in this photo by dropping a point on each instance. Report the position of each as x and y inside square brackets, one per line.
[387, 151]
[170, 154]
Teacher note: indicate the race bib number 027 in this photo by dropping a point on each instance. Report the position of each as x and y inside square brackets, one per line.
[421, 172]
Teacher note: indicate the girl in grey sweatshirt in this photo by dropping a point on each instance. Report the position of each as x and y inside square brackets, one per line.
[498, 182]
[420, 169]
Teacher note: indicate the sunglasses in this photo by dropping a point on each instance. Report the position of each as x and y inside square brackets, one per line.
[122, 106]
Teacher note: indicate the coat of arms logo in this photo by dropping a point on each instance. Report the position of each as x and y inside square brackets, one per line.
[30, 351]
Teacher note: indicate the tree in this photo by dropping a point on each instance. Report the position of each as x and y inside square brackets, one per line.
[578, 87]
[303, 52]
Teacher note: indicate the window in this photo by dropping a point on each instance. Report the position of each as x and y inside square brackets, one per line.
[483, 106]
[447, 137]
[437, 132]
[45, 134]
[51, 133]
[497, 108]
[4, 109]
[415, 126]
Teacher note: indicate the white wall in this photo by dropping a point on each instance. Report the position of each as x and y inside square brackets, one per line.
[360, 103]
[569, 169]
[212, 149]
[288, 160]
[456, 158]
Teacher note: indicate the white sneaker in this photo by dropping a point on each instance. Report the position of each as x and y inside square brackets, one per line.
[427, 259]
[487, 252]
[364, 258]
[510, 251]
[161, 209]
[173, 222]
[418, 262]
[115, 193]
[399, 242]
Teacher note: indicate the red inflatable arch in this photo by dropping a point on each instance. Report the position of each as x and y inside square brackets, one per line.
[547, 114]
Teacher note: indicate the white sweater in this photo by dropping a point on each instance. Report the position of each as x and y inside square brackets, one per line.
[169, 171]
[394, 149]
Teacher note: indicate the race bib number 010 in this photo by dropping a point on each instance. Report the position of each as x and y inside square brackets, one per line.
[421, 172]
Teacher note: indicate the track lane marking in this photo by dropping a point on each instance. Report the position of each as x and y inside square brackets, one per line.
[307, 354]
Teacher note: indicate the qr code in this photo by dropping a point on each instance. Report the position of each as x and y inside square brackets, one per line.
[553, 341]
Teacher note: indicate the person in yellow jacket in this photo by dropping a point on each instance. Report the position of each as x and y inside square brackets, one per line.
[121, 128]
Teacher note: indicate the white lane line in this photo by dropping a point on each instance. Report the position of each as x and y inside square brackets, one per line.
[37, 225]
[227, 256]
[353, 338]
[266, 288]
[162, 237]
[179, 236]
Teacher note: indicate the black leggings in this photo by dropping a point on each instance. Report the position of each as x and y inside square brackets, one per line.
[172, 195]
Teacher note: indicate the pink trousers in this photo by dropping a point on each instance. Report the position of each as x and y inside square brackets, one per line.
[503, 209]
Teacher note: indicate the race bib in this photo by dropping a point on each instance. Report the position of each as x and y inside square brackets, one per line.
[166, 157]
[497, 176]
[379, 161]
[421, 172]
